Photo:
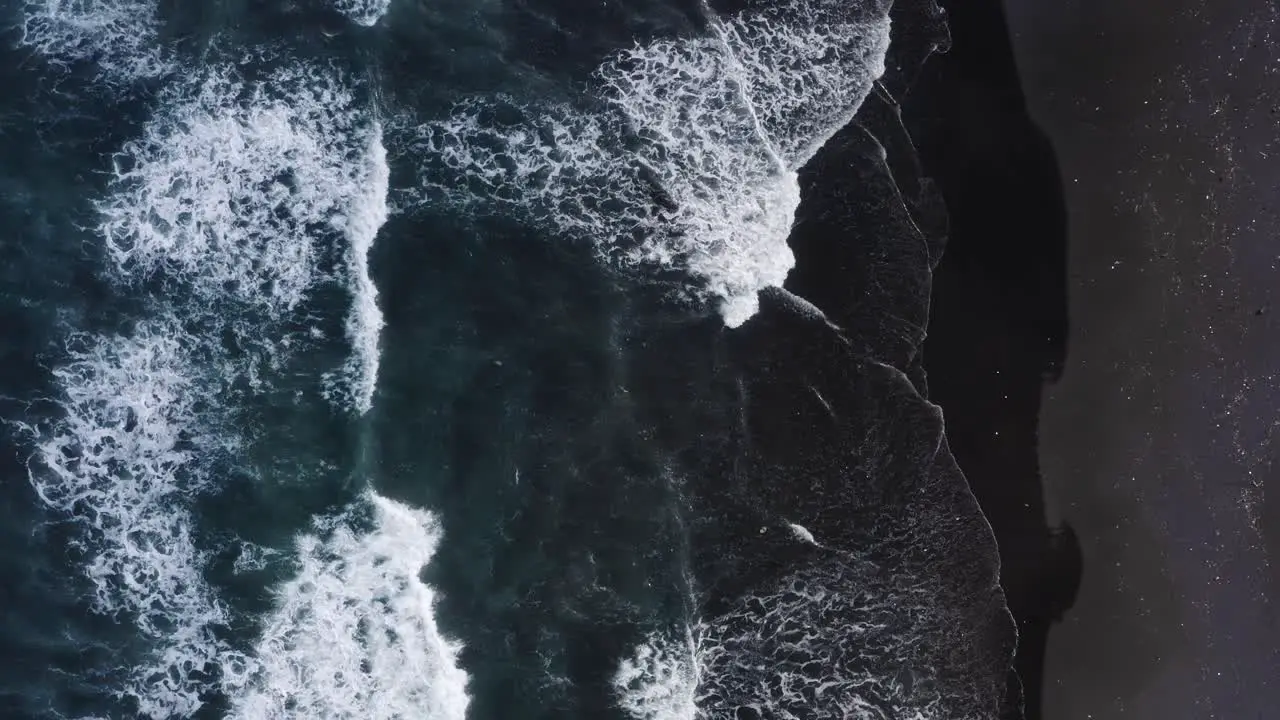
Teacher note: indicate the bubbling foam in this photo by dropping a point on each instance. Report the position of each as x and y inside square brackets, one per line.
[691, 161]
[230, 194]
[355, 385]
[660, 680]
[123, 460]
[241, 192]
[119, 35]
[233, 185]
[354, 635]
[806, 66]
[363, 12]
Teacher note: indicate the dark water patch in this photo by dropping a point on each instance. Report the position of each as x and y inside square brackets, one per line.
[513, 419]
[998, 325]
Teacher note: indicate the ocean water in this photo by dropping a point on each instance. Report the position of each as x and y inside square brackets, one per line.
[430, 359]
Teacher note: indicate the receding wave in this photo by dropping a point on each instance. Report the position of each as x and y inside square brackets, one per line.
[690, 160]
[123, 460]
[353, 634]
[828, 641]
[119, 35]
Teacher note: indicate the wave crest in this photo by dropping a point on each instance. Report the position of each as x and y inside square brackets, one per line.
[660, 680]
[248, 194]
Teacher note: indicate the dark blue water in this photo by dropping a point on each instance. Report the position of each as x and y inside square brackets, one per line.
[429, 359]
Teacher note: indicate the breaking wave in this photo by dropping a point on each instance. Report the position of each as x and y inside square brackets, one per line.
[353, 634]
[355, 385]
[688, 158]
[127, 455]
[118, 35]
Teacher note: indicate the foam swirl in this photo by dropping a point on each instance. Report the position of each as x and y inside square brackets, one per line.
[828, 641]
[233, 184]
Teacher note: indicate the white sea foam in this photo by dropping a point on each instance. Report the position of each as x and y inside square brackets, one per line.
[353, 634]
[826, 643]
[124, 460]
[248, 192]
[363, 12]
[119, 35]
[253, 557]
[234, 186]
[660, 680]
[355, 385]
[692, 165]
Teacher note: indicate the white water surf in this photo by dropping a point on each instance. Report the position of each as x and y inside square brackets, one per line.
[354, 634]
[123, 461]
[692, 163]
